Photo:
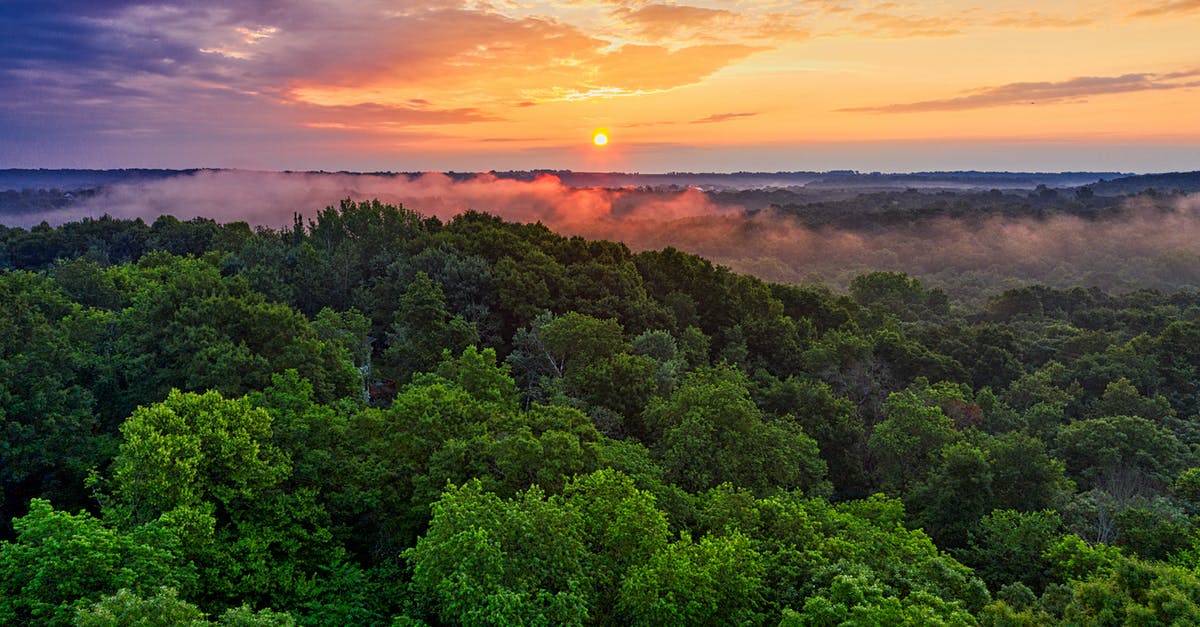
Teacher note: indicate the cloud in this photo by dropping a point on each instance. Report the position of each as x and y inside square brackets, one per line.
[1035, 19]
[1168, 8]
[722, 117]
[662, 20]
[892, 25]
[635, 67]
[77, 69]
[376, 117]
[1043, 92]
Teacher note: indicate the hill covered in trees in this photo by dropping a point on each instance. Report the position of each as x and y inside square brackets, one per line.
[381, 417]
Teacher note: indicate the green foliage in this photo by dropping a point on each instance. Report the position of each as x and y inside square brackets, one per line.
[166, 609]
[192, 449]
[479, 375]
[869, 537]
[574, 340]
[60, 562]
[254, 441]
[1009, 546]
[207, 468]
[830, 420]
[717, 581]
[710, 432]
[1137, 592]
[906, 443]
[622, 529]
[488, 561]
[125, 608]
[860, 601]
[1024, 475]
[1100, 448]
[1187, 487]
[50, 431]
[898, 294]
[957, 493]
[423, 328]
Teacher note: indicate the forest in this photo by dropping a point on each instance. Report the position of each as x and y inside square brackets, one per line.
[379, 417]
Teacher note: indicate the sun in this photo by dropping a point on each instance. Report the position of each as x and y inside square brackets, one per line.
[600, 137]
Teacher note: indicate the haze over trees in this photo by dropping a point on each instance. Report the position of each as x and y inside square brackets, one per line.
[992, 230]
[379, 417]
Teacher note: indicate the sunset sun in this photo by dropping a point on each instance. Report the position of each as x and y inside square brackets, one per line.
[600, 137]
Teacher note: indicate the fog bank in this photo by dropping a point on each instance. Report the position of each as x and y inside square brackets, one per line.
[1150, 243]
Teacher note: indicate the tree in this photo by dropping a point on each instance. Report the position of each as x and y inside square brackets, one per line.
[622, 529]
[906, 442]
[1024, 475]
[166, 609]
[898, 294]
[716, 581]
[50, 433]
[1136, 592]
[830, 420]
[574, 340]
[1101, 449]
[1121, 398]
[192, 449]
[710, 432]
[207, 468]
[486, 561]
[957, 493]
[857, 600]
[423, 328]
[1009, 546]
[60, 562]
[349, 330]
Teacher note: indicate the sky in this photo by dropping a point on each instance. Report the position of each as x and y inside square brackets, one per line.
[720, 85]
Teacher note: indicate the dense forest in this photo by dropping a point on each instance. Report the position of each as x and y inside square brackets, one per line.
[376, 417]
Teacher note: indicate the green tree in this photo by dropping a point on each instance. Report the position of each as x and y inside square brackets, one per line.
[957, 493]
[1138, 593]
[900, 295]
[1099, 449]
[1024, 475]
[60, 562]
[486, 561]
[163, 609]
[1009, 546]
[49, 427]
[712, 433]
[716, 581]
[207, 468]
[166, 609]
[830, 420]
[423, 328]
[192, 449]
[574, 340]
[856, 600]
[906, 443]
[622, 529]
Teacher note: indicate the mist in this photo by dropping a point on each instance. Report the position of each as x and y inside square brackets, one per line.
[271, 198]
[1149, 243]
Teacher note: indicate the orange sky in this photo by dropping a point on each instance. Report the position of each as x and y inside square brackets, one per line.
[719, 85]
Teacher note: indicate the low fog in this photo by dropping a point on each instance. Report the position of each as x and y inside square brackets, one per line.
[1149, 243]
